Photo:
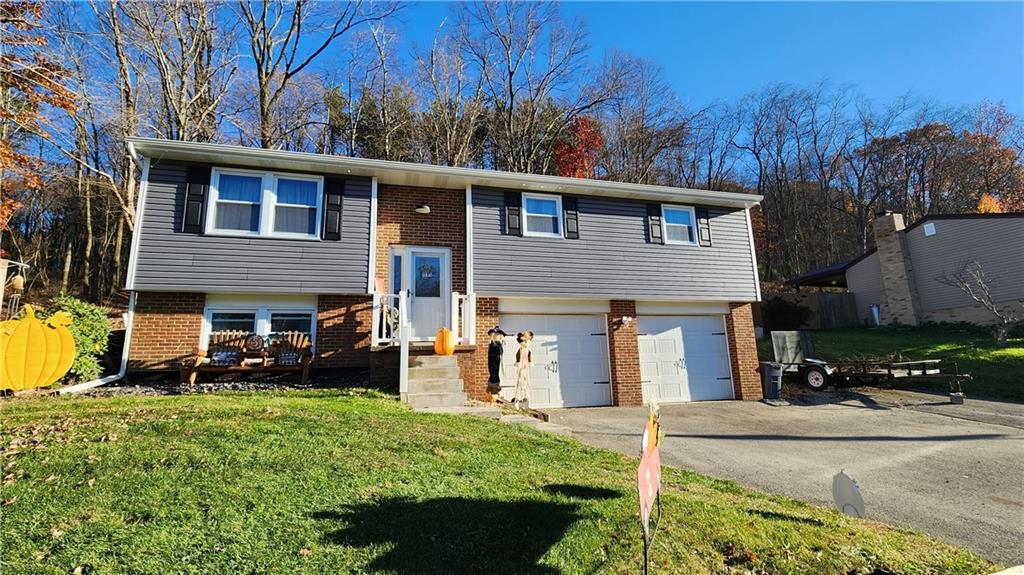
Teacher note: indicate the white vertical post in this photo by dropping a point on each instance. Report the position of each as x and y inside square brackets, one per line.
[3, 282]
[375, 321]
[469, 317]
[455, 315]
[403, 336]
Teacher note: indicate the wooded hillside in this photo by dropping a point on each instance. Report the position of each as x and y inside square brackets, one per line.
[502, 86]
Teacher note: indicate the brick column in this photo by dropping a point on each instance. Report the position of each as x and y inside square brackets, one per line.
[900, 293]
[739, 329]
[166, 329]
[343, 327]
[625, 354]
[486, 318]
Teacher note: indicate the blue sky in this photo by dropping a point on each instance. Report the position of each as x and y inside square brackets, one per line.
[952, 53]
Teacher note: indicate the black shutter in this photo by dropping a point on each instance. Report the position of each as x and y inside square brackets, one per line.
[654, 223]
[334, 192]
[513, 214]
[571, 216]
[197, 184]
[703, 227]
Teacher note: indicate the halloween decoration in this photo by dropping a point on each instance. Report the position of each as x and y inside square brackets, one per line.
[444, 343]
[495, 349]
[524, 361]
[35, 353]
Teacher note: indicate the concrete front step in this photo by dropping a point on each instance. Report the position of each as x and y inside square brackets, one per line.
[433, 361]
[445, 399]
[422, 372]
[439, 385]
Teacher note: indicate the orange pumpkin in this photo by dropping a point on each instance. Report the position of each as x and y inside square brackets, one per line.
[444, 343]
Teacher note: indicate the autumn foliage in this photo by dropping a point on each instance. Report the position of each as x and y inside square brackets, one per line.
[576, 154]
[29, 82]
[988, 204]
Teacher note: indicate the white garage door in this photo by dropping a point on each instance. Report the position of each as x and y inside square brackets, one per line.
[684, 358]
[570, 359]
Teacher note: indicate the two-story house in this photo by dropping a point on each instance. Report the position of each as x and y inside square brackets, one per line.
[634, 292]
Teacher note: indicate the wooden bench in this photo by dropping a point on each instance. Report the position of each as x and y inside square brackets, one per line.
[234, 351]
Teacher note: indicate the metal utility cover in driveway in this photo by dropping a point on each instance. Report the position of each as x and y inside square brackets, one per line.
[684, 358]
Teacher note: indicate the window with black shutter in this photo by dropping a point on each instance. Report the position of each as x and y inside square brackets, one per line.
[703, 227]
[513, 214]
[655, 235]
[334, 192]
[571, 215]
[197, 185]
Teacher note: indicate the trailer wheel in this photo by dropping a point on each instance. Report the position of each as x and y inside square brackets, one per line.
[816, 378]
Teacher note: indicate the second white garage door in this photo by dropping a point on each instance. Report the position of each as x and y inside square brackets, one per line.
[570, 359]
[684, 358]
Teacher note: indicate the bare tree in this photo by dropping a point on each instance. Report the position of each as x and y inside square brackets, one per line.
[284, 38]
[969, 277]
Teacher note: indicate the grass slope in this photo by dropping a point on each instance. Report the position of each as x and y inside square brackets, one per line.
[998, 373]
[335, 482]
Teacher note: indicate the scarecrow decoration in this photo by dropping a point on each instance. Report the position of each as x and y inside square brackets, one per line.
[524, 361]
[495, 349]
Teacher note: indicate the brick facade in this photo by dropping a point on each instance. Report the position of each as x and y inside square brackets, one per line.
[739, 329]
[624, 351]
[399, 224]
[166, 329]
[343, 326]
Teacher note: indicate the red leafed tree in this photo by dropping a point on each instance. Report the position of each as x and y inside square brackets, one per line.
[576, 154]
[29, 81]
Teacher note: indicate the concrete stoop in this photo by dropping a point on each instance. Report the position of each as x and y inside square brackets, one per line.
[434, 382]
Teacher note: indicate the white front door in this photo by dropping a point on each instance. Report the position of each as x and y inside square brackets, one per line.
[570, 359]
[425, 274]
[684, 358]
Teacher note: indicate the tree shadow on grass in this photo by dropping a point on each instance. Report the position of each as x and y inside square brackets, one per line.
[459, 534]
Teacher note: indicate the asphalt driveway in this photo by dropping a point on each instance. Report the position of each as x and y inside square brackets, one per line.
[955, 472]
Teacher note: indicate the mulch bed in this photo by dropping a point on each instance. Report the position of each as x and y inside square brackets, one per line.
[168, 385]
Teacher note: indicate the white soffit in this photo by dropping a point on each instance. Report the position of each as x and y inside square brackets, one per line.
[426, 175]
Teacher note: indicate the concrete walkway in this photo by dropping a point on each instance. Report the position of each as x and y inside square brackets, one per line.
[955, 472]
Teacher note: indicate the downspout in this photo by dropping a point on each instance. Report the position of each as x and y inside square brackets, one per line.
[129, 322]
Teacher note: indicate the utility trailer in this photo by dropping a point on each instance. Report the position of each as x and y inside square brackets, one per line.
[794, 351]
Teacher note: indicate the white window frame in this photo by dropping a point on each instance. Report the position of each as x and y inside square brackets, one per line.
[693, 224]
[268, 204]
[262, 312]
[558, 215]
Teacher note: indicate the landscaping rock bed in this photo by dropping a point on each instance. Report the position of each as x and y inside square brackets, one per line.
[169, 385]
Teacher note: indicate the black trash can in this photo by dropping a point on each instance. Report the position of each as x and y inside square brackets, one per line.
[771, 379]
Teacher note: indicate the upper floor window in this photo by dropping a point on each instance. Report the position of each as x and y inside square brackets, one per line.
[680, 225]
[264, 204]
[543, 215]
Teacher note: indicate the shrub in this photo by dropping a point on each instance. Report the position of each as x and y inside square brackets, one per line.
[780, 315]
[91, 330]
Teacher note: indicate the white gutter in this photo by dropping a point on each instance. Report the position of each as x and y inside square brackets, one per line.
[412, 174]
[129, 323]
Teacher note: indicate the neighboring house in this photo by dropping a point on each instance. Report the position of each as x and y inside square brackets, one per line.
[634, 292]
[901, 276]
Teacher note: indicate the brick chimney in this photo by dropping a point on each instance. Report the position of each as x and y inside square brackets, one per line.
[900, 305]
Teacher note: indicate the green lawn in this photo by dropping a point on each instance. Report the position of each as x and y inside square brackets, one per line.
[351, 481]
[998, 373]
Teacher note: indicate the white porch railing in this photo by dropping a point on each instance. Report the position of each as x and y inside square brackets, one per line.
[385, 319]
[463, 314]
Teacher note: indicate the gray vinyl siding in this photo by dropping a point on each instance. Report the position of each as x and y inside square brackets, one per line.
[864, 280]
[170, 260]
[612, 258]
[996, 243]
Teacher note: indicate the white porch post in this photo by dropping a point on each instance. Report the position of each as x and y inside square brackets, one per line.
[403, 335]
[455, 315]
[375, 321]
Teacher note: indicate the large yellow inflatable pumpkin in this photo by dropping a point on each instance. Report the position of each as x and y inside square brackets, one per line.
[444, 344]
[35, 353]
